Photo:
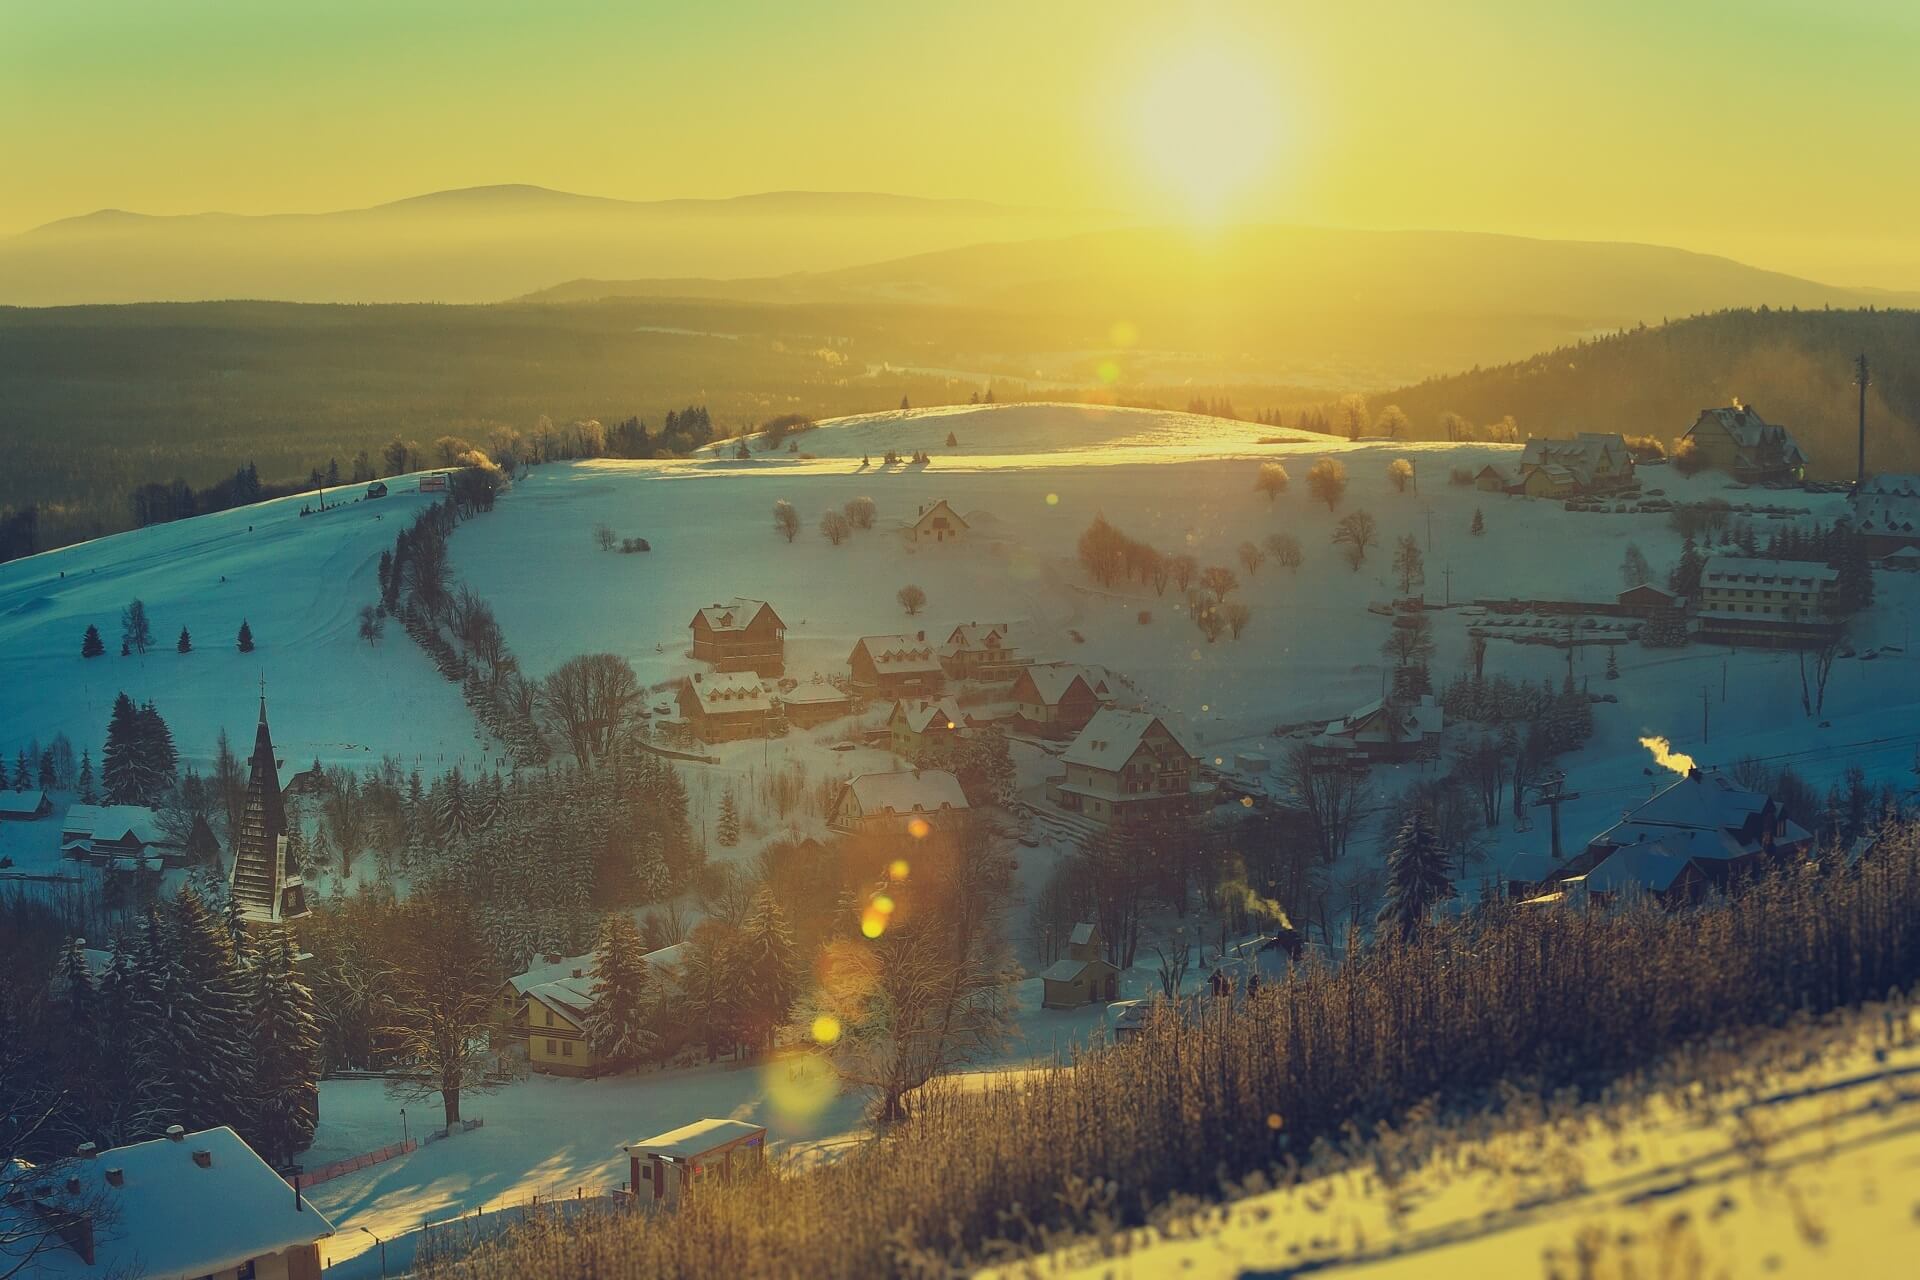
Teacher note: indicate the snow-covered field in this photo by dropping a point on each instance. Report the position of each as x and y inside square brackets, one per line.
[1028, 478]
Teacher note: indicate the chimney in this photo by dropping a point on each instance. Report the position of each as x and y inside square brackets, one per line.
[116, 1177]
[920, 635]
[176, 1134]
[1694, 773]
[203, 1158]
[73, 1186]
[553, 957]
[86, 1151]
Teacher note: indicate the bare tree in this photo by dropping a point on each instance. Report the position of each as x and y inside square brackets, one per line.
[1272, 480]
[587, 700]
[1356, 532]
[1334, 799]
[441, 1005]
[136, 630]
[603, 537]
[1184, 569]
[835, 528]
[859, 512]
[1409, 566]
[786, 520]
[1350, 414]
[1219, 580]
[1252, 557]
[372, 623]
[1400, 472]
[911, 598]
[1391, 422]
[1236, 615]
[1634, 569]
[1327, 481]
[1285, 550]
[1409, 641]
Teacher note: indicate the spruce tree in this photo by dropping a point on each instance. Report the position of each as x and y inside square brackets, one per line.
[91, 646]
[1613, 662]
[286, 1044]
[617, 1029]
[1416, 876]
[208, 1058]
[85, 781]
[119, 766]
[245, 640]
[185, 643]
[1479, 525]
[769, 966]
[156, 762]
[727, 829]
[22, 774]
[149, 1046]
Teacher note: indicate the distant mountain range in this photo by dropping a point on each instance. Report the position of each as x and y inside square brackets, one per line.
[484, 244]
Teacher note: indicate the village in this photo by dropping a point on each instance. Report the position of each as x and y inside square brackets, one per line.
[1083, 731]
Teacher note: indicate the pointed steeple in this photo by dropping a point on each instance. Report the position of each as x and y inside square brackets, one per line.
[266, 882]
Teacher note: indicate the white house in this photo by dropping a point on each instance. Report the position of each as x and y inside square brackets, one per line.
[1127, 767]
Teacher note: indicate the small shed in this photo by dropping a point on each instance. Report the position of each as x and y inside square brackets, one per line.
[24, 806]
[1492, 479]
[664, 1168]
[1071, 983]
[378, 489]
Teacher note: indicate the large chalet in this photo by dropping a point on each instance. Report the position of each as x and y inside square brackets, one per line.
[1128, 767]
[1591, 462]
[896, 666]
[1886, 513]
[920, 804]
[1697, 834]
[726, 706]
[1060, 697]
[1738, 441]
[1774, 603]
[981, 651]
[1384, 731]
[119, 837]
[745, 635]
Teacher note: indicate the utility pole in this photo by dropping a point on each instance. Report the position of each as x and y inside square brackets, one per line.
[1703, 714]
[1429, 511]
[1862, 378]
[1447, 573]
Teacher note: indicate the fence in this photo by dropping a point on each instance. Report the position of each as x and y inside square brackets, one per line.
[352, 1164]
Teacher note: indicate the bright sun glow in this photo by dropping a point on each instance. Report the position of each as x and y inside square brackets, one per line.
[1208, 129]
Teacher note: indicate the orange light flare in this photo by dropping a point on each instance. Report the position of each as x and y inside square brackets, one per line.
[918, 829]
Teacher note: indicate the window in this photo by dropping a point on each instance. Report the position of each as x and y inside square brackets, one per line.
[550, 1047]
[566, 1048]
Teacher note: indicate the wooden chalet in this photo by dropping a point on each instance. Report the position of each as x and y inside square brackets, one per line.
[119, 837]
[981, 651]
[924, 730]
[1885, 512]
[815, 703]
[24, 806]
[1737, 441]
[1384, 731]
[726, 706]
[896, 666]
[919, 804]
[1647, 601]
[745, 635]
[1083, 976]
[1060, 697]
[1129, 767]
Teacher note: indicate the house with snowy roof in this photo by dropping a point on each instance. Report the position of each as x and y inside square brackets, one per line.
[549, 1004]
[742, 635]
[815, 703]
[1590, 462]
[1775, 603]
[919, 804]
[24, 806]
[922, 729]
[981, 651]
[726, 706]
[119, 837]
[1081, 977]
[1885, 511]
[1492, 479]
[1384, 731]
[185, 1206]
[896, 666]
[1702, 830]
[1129, 767]
[1060, 697]
[936, 522]
[1738, 441]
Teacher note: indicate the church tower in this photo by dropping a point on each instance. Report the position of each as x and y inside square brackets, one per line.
[266, 881]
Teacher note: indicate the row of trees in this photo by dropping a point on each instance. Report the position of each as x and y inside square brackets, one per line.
[136, 635]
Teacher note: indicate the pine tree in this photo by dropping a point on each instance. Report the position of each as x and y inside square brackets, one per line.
[1417, 876]
[147, 1046]
[1613, 662]
[769, 966]
[119, 767]
[286, 1043]
[622, 1003]
[185, 643]
[1479, 525]
[1684, 581]
[156, 762]
[46, 779]
[245, 640]
[91, 646]
[85, 781]
[208, 1059]
[727, 828]
[22, 775]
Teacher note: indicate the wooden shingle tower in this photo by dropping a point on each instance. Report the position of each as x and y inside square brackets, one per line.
[266, 881]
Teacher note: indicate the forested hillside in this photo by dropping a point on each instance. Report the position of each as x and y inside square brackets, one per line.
[1795, 367]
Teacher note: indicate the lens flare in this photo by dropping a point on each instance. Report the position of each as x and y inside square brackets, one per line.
[897, 869]
[918, 828]
[826, 1029]
[800, 1085]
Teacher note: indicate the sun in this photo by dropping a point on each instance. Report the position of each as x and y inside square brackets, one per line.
[1208, 129]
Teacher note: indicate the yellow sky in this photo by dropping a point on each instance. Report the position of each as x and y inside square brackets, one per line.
[1777, 131]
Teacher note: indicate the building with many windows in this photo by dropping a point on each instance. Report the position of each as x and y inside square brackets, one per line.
[1128, 767]
[1776, 603]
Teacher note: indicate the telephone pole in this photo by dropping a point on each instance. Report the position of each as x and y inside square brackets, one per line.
[1862, 378]
[1552, 796]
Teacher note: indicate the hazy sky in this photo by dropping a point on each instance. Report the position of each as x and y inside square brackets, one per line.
[1783, 132]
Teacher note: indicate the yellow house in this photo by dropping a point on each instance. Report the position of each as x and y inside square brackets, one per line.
[1083, 976]
[557, 1027]
[937, 522]
[922, 728]
[1550, 481]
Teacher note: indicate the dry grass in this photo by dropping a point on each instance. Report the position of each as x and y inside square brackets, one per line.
[1192, 1108]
